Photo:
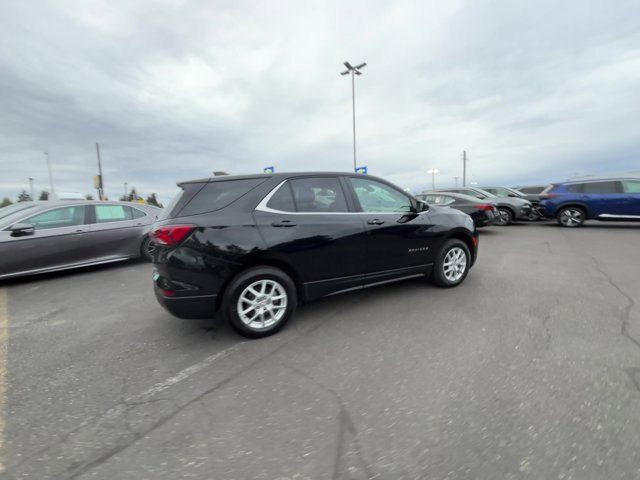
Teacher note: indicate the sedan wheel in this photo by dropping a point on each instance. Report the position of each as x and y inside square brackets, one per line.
[148, 249]
[571, 217]
[505, 217]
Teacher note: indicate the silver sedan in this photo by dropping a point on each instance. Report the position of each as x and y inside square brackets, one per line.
[38, 237]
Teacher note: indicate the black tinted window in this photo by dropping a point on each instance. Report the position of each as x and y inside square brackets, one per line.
[219, 194]
[283, 199]
[531, 190]
[318, 194]
[600, 187]
[576, 188]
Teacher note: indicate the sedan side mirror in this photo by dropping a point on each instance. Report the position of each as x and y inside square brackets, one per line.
[20, 229]
[513, 195]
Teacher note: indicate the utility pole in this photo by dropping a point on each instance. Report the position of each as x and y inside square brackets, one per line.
[456, 179]
[33, 193]
[464, 168]
[100, 181]
[433, 172]
[354, 71]
[52, 193]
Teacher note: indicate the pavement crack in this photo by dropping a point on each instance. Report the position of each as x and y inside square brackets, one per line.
[96, 455]
[625, 316]
[349, 457]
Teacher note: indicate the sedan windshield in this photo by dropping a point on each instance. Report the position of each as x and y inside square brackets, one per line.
[16, 207]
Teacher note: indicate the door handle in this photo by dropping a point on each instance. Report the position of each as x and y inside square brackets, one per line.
[284, 223]
[375, 221]
[80, 231]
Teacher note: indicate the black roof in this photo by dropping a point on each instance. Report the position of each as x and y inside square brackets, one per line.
[283, 175]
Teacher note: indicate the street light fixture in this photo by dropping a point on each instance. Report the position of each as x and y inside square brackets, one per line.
[354, 71]
[433, 172]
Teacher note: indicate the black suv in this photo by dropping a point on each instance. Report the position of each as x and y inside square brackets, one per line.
[254, 247]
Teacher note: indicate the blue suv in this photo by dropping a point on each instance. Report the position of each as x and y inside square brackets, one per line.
[573, 202]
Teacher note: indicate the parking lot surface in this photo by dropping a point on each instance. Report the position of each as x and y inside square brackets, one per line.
[530, 369]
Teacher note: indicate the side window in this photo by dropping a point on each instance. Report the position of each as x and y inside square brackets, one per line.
[575, 188]
[283, 199]
[377, 197]
[218, 194]
[631, 186]
[137, 213]
[601, 187]
[319, 194]
[112, 213]
[58, 218]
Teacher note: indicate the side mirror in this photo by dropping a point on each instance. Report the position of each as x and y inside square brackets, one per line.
[513, 195]
[480, 196]
[20, 229]
[420, 206]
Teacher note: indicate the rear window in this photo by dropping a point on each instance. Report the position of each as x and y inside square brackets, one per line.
[216, 195]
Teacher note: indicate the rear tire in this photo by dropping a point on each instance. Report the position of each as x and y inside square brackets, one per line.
[571, 217]
[506, 216]
[452, 264]
[147, 249]
[259, 301]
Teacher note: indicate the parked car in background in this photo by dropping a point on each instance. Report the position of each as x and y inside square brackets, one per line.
[506, 192]
[59, 235]
[482, 212]
[531, 192]
[254, 247]
[608, 199]
[510, 208]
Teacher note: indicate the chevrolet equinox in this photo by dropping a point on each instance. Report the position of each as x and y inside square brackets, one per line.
[254, 247]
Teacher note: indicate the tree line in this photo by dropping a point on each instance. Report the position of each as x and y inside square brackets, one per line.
[132, 196]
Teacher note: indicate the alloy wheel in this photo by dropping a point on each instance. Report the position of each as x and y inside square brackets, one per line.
[455, 264]
[571, 217]
[262, 304]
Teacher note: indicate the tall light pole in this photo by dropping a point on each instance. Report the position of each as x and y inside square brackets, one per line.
[433, 172]
[100, 180]
[33, 193]
[52, 193]
[125, 189]
[456, 179]
[464, 168]
[354, 71]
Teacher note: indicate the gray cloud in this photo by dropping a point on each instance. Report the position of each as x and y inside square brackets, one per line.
[175, 90]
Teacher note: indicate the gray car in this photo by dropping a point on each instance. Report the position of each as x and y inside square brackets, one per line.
[510, 208]
[38, 237]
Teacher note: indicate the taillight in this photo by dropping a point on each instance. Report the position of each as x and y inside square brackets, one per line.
[485, 207]
[171, 235]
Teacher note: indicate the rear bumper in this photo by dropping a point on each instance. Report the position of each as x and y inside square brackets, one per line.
[180, 303]
[188, 307]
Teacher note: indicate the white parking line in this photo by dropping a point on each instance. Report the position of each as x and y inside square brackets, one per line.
[183, 374]
[4, 340]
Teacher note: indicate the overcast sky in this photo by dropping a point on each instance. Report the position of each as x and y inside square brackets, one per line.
[172, 90]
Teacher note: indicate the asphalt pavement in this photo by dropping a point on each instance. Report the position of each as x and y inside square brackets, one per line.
[529, 370]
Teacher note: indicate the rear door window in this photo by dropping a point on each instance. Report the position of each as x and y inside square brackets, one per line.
[318, 194]
[282, 200]
[601, 187]
[113, 213]
[217, 195]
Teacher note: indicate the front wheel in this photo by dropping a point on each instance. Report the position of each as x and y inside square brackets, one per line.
[452, 264]
[571, 217]
[260, 301]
